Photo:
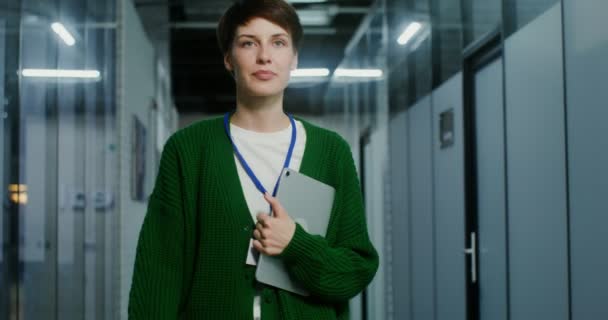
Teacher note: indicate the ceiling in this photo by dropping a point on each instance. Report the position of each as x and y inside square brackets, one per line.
[201, 84]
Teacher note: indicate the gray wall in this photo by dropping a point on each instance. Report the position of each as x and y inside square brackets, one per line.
[421, 206]
[586, 50]
[427, 208]
[448, 186]
[491, 191]
[538, 247]
[430, 217]
[400, 211]
[375, 203]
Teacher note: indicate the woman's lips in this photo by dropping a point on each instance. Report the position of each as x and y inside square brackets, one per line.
[264, 75]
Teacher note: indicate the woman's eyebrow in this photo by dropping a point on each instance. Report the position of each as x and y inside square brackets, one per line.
[255, 37]
[247, 36]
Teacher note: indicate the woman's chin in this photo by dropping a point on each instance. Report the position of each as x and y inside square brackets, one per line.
[264, 91]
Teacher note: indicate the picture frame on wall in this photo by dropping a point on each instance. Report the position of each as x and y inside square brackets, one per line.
[138, 160]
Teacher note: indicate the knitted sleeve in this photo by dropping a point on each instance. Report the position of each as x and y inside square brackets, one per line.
[157, 276]
[339, 271]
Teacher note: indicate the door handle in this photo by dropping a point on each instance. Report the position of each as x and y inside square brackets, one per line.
[472, 252]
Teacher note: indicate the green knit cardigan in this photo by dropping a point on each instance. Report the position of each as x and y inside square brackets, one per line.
[190, 259]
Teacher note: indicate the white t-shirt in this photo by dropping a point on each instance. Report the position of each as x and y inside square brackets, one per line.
[265, 154]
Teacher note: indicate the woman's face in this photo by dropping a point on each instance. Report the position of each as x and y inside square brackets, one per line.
[261, 58]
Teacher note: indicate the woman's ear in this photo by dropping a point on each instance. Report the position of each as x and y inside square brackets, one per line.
[228, 63]
[294, 62]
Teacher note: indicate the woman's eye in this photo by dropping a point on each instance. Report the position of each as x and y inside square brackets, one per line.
[247, 44]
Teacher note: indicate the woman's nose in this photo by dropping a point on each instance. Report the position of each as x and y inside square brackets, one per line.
[263, 55]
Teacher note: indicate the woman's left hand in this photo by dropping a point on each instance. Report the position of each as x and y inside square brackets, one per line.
[273, 233]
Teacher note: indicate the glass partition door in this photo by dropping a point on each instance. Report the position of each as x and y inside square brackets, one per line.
[58, 163]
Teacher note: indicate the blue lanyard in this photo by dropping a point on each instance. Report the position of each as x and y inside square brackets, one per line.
[250, 173]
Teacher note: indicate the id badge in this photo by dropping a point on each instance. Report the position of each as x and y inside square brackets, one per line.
[252, 254]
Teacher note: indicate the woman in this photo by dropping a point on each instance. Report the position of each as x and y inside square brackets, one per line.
[194, 257]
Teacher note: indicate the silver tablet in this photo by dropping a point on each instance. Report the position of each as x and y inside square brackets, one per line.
[308, 202]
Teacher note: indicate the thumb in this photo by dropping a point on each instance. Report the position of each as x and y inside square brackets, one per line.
[277, 209]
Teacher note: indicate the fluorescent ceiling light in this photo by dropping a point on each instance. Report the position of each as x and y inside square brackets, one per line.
[358, 73]
[409, 32]
[63, 33]
[61, 73]
[315, 72]
[314, 17]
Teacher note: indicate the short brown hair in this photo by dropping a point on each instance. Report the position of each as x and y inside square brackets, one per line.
[241, 12]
